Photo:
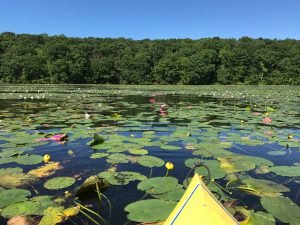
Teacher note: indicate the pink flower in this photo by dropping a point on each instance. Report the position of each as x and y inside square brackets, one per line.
[256, 113]
[267, 120]
[163, 113]
[57, 138]
[152, 100]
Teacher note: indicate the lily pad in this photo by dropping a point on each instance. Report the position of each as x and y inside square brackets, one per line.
[282, 208]
[29, 159]
[138, 151]
[52, 216]
[121, 178]
[46, 170]
[99, 155]
[34, 206]
[16, 179]
[150, 161]
[256, 218]
[286, 171]
[174, 195]
[149, 211]
[8, 197]
[216, 171]
[262, 187]
[158, 185]
[90, 183]
[6, 171]
[59, 183]
[97, 140]
[117, 158]
[236, 163]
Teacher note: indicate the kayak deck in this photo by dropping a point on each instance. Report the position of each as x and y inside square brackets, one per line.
[199, 206]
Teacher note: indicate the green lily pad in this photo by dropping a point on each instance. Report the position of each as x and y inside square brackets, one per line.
[16, 179]
[52, 216]
[149, 211]
[256, 218]
[90, 183]
[282, 208]
[10, 152]
[34, 206]
[286, 171]
[138, 151]
[8, 197]
[6, 171]
[97, 140]
[236, 163]
[262, 187]
[216, 171]
[117, 158]
[99, 155]
[121, 178]
[29, 159]
[158, 185]
[150, 161]
[174, 195]
[59, 183]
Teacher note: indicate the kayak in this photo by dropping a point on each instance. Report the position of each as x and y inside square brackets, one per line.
[199, 206]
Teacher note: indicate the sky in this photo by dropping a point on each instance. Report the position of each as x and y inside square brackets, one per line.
[153, 19]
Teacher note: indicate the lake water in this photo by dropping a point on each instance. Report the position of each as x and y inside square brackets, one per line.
[248, 136]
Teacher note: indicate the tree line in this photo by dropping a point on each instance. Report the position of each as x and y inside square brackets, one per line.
[26, 58]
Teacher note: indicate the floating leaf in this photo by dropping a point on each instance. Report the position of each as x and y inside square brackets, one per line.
[138, 151]
[97, 140]
[150, 161]
[215, 170]
[6, 171]
[117, 158]
[121, 178]
[158, 185]
[8, 197]
[59, 183]
[174, 195]
[151, 210]
[52, 216]
[29, 159]
[262, 187]
[34, 206]
[232, 164]
[256, 218]
[282, 208]
[90, 183]
[16, 179]
[99, 155]
[46, 170]
[286, 171]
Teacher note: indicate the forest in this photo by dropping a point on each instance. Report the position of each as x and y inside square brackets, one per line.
[27, 58]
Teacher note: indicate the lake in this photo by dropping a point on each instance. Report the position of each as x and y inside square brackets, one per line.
[120, 137]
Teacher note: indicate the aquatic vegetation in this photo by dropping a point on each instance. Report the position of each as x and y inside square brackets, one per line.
[7, 197]
[116, 143]
[150, 210]
[59, 183]
[33, 206]
[282, 208]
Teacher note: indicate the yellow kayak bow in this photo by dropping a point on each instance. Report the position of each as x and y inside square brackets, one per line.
[199, 206]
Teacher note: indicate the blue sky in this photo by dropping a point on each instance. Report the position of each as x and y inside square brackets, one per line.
[153, 19]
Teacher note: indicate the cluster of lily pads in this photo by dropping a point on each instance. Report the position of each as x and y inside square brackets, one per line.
[121, 137]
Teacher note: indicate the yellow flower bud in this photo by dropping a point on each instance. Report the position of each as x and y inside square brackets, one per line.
[169, 166]
[46, 158]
